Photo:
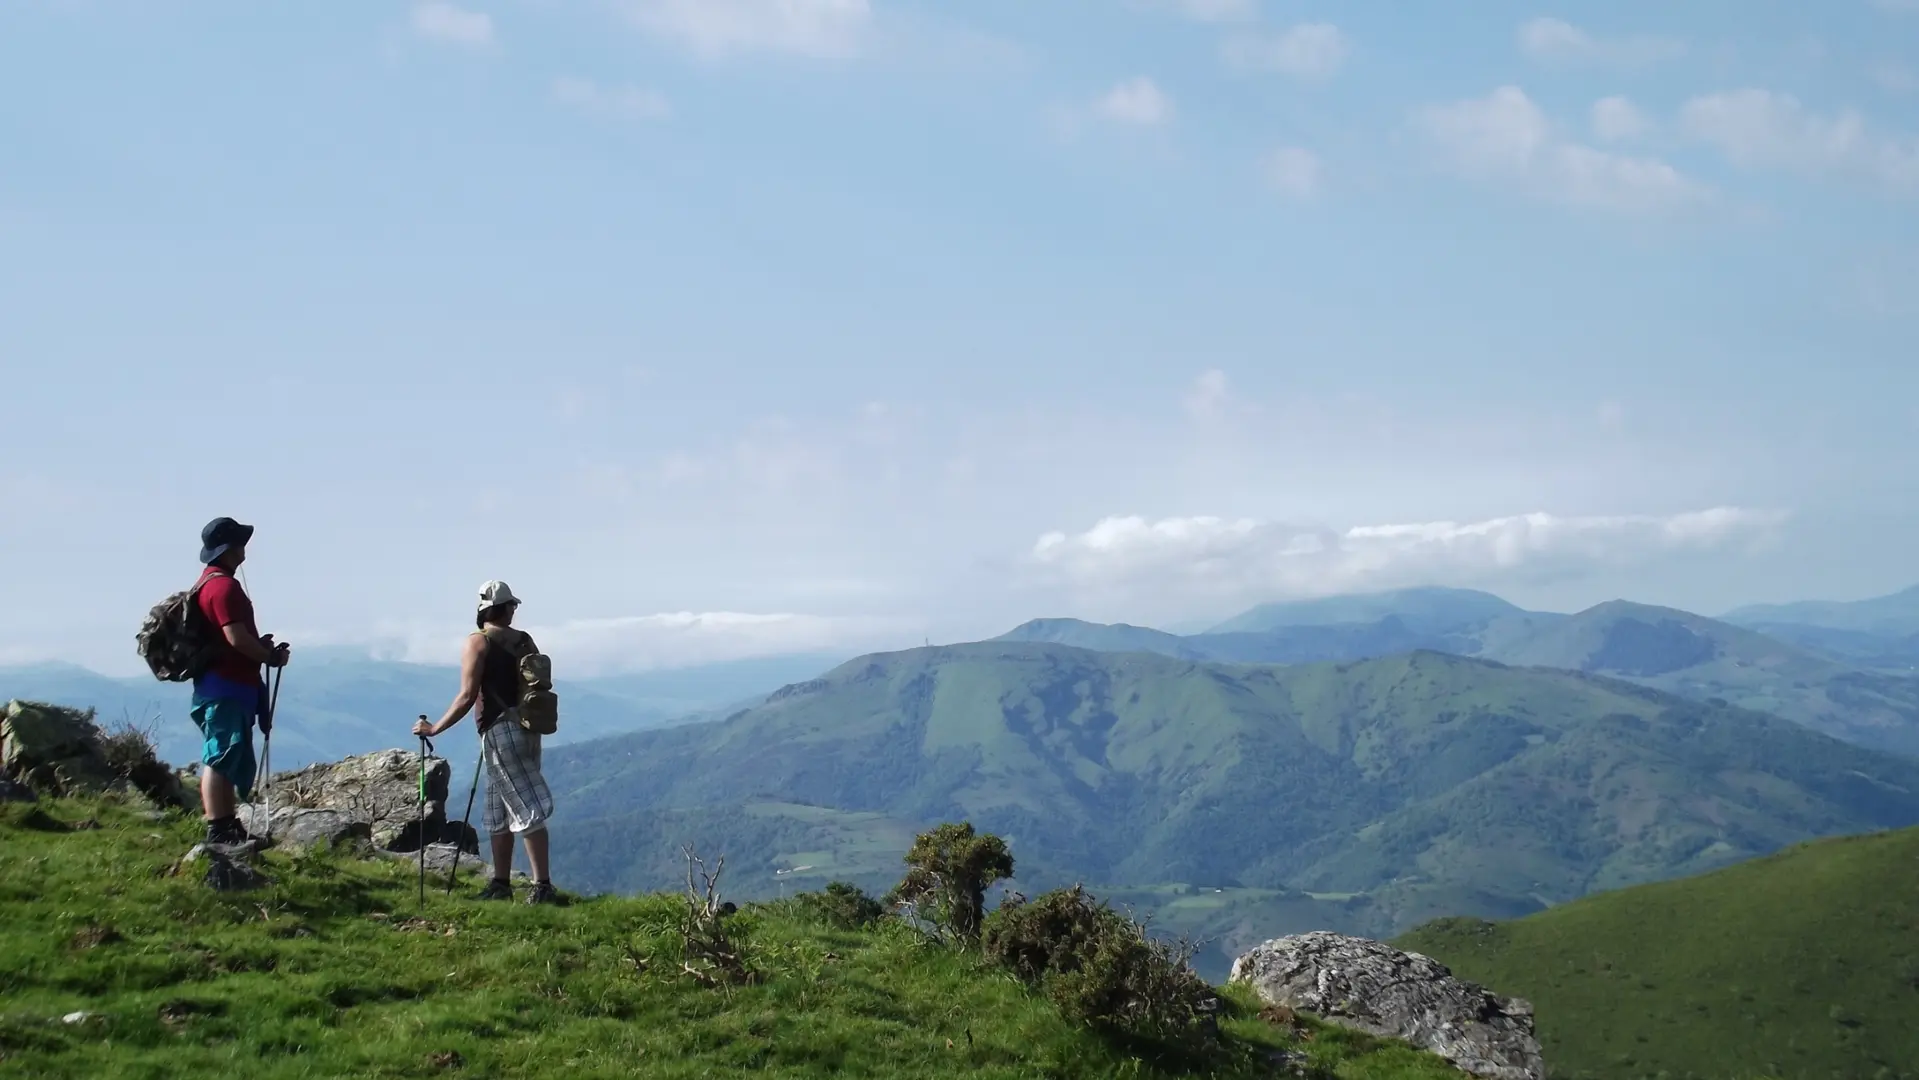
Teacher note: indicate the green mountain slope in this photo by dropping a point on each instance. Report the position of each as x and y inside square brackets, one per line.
[1804, 964]
[111, 967]
[1103, 637]
[1429, 783]
[1868, 698]
[1896, 615]
[1888, 653]
[1423, 610]
[1698, 657]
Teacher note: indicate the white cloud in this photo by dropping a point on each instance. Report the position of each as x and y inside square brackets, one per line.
[1555, 41]
[624, 102]
[1761, 129]
[1137, 101]
[823, 29]
[1294, 171]
[451, 24]
[1506, 138]
[1615, 119]
[1310, 51]
[1254, 560]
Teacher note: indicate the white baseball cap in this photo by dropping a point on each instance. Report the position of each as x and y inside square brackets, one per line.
[496, 593]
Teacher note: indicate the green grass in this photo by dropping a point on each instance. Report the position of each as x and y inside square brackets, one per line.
[1804, 964]
[333, 972]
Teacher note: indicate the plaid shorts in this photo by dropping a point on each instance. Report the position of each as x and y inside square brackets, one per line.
[517, 798]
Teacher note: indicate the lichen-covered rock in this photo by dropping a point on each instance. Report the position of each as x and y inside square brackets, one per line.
[1375, 988]
[59, 751]
[55, 751]
[380, 789]
[297, 828]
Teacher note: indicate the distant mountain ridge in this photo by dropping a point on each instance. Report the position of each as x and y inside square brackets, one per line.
[1894, 615]
[1427, 610]
[1665, 648]
[1374, 794]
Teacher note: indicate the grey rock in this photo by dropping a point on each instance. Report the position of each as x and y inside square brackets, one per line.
[229, 867]
[12, 792]
[297, 828]
[381, 790]
[1375, 988]
[54, 750]
[439, 859]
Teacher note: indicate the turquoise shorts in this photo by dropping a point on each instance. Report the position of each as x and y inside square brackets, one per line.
[226, 727]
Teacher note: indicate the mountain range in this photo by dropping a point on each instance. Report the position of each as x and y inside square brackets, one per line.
[1881, 633]
[1823, 688]
[1365, 796]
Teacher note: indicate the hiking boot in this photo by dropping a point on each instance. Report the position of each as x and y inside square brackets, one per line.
[495, 890]
[227, 832]
[543, 892]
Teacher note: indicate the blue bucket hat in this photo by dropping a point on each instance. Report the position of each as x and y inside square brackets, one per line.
[222, 535]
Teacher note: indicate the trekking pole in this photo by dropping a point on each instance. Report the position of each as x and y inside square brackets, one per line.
[426, 747]
[466, 822]
[266, 752]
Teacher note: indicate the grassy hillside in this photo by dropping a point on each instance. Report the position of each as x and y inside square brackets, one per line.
[333, 972]
[1804, 964]
[1103, 637]
[1432, 784]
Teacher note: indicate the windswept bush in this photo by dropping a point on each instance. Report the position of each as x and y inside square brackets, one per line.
[1100, 968]
[950, 869]
[841, 906]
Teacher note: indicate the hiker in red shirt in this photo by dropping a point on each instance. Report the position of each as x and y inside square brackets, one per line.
[230, 696]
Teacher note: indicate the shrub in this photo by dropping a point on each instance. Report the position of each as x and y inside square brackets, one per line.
[129, 751]
[841, 906]
[711, 951]
[950, 869]
[1101, 969]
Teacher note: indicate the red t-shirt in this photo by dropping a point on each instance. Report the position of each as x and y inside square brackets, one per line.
[224, 604]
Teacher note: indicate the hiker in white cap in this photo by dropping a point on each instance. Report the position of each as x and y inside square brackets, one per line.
[518, 801]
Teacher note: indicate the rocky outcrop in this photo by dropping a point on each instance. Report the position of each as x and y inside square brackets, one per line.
[1378, 989]
[372, 799]
[60, 751]
[382, 790]
[296, 828]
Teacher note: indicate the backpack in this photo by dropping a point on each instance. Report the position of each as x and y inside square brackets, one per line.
[539, 706]
[175, 638]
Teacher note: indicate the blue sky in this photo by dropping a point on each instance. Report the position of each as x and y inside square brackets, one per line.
[736, 326]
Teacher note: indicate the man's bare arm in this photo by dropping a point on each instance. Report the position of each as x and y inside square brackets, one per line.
[250, 645]
[471, 660]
